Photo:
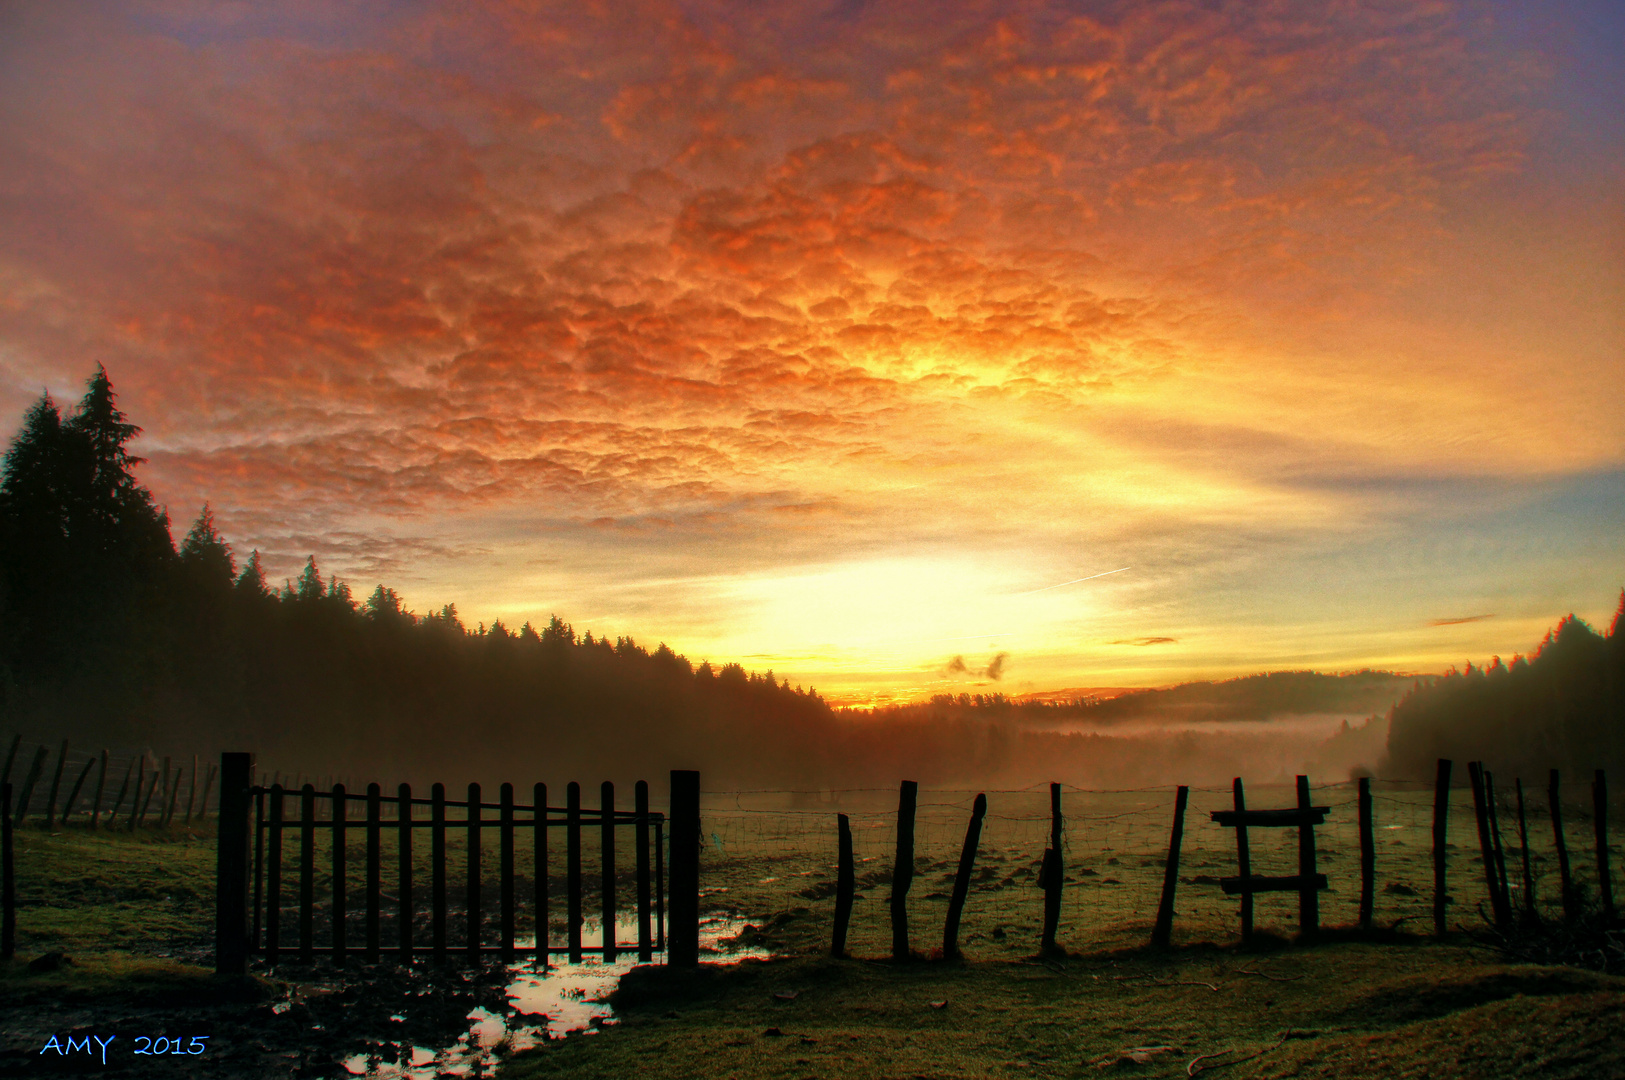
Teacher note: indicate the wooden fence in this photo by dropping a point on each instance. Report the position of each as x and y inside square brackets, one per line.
[153, 791]
[258, 824]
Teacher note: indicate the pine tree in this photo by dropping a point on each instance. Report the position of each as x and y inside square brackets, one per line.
[205, 556]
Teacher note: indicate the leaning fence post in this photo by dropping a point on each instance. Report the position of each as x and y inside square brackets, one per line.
[845, 884]
[1554, 795]
[8, 868]
[191, 793]
[1605, 881]
[967, 862]
[1523, 846]
[27, 795]
[1441, 819]
[101, 780]
[1368, 856]
[231, 866]
[1053, 873]
[1486, 846]
[1494, 807]
[56, 785]
[903, 870]
[73, 792]
[11, 758]
[1163, 933]
[683, 941]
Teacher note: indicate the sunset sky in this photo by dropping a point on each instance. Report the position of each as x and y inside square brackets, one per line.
[847, 339]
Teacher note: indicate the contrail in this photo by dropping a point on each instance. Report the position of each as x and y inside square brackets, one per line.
[1074, 581]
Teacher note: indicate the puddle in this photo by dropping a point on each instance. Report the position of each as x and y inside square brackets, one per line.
[564, 1000]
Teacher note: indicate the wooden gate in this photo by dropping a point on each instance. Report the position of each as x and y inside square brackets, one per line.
[261, 880]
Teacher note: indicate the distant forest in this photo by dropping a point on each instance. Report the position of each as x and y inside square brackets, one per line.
[111, 636]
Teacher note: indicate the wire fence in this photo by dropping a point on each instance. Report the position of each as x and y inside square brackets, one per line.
[771, 855]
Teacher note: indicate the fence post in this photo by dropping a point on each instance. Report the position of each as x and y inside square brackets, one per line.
[1368, 856]
[1441, 819]
[683, 940]
[27, 795]
[845, 884]
[73, 792]
[56, 785]
[903, 870]
[1605, 881]
[1493, 805]
[474, 874]
[437, 871]
[375, 862]
[1054, 873]
[307, 873]
[606, 805]
[1244, 860]
[538, 816]
[967, 862]
[231, 866]
[505, 865]
[1309, 893]
[341, 815]
[1486, 845]
[1162, 933]
[572, 868]
[1554, 796]
[8, 867]
[191, 793]
[11, 758]
[101, 780]
[640, 807]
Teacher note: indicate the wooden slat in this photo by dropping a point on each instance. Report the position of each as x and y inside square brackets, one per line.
[506, 858]
[606, 803]
[640, 807]
[472, 914]
[273, 879]
[660, 884]
[403, 826]
[375, 862]
[437, 870]
[1271, 819]
[538, 816]
[259, 867]
[1259, 883]
[572, 869]
[307, 872]
[340, 812]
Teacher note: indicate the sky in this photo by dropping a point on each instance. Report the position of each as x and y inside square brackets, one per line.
[899, 348]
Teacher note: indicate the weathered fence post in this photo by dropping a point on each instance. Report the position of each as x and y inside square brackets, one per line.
[231, 866]
[1523, 846]
[1368, 856]
[1308, 890]
[8, 868]
[404, 906]
[1244, 860]
[340, 818]
[437, 872]
[538, 817]
[572, 868]
[1162, 933]
[1486, 846]
[967, 862]
[1493, 805]
[307, 873]
[845, 884]
[73, 792]
[11, 758]
[375, 862]
[683, 944]
[505, 859]
[903, 870]
[96, 806]
[640, 807]
[1554, 796]
[27, 795]
[1599, 820]
[203, 807]
[56, 785]
[1441, 819]
[173, 791]
[191, 793]
[1053, 873]
[474, 874]
[606, 803]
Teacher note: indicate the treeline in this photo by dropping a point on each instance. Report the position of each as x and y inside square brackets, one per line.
[1563, 708]
[111, 635]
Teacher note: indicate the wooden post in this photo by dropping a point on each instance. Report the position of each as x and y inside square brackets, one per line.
[404, 907]
[56, 786]
[1554, 794]
[1486, 846]
[505, 861]
[340, 817]
[640, 808]
[11, 758]
[8, 870]
[1244, 860]
[683, 944]
[1599, 819]
[538, 817]
[606, 803]
[1368, 856]
[307, 873]
[73, 792]
[437, 871]
[163, 802]
[1493, 803]
[273, 879]
[967, 862]
[572, 868]
[1054, 874]
[96, 805]
[1441, 819]
[845, 884]
[259, 865]
[27, 795]
[1523, 846]
[660, 886]
[129, 770]
[191, 792]
[473, 918]
[1308, 892]
[1162, 933]
[173, 789]
[152, 790]
[203, 807]
[375, 865]
[903, 869]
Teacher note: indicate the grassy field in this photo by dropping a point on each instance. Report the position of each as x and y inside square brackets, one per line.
[135, 910]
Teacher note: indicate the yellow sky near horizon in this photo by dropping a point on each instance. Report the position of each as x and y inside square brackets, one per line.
[829, 338]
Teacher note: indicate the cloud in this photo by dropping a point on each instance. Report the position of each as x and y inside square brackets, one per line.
[1458, 620]
[1145, 641]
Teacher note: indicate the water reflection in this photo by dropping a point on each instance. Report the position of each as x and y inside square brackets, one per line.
[566, 999]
